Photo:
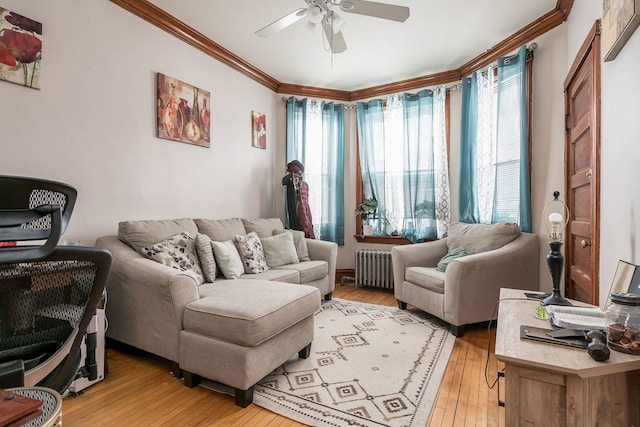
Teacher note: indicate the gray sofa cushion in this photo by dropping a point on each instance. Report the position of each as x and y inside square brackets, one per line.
[426, 277]
[220, 230]
[287, 276]
[263, 227]
[308, 270]
[249, 312]
[476, 238]
[139, 234]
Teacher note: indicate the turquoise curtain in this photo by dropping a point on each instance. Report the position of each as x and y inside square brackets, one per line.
[511, 178]
[467, 193]
[296, 128]
[328, 218]
[296, 131]
[332, 220]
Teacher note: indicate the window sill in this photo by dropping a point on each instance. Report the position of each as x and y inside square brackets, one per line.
[385, 240]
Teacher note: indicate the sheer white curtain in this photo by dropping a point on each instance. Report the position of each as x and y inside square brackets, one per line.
[441, 161]
[486, 146]
[403, 157]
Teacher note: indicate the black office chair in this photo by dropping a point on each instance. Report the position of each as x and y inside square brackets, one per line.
[48, 293]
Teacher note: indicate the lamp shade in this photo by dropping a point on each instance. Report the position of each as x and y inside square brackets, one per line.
[315, 13]
[556, 216]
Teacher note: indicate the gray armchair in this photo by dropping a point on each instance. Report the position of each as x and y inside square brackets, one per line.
[466, 292]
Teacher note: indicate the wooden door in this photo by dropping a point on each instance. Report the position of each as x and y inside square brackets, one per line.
[582, 171]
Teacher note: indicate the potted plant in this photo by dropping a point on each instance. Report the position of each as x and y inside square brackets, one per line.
[367, 209]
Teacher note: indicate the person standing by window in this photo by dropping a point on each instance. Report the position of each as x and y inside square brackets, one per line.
[298, 211]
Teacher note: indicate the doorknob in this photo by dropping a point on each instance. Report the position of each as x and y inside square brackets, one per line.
[589, 173]
[584, 243]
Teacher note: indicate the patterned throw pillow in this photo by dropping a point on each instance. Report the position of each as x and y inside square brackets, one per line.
[178, 252]
[251, 252]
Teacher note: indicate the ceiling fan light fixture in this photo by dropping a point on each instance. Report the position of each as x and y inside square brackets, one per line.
[315, 13]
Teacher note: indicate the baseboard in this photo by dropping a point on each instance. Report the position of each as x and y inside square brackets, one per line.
[345, 275]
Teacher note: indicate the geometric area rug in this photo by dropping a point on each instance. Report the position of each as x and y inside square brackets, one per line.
[370, 365]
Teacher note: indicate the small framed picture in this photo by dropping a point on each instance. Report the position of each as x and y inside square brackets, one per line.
[258, 130]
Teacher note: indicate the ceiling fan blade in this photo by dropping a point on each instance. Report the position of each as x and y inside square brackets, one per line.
[378, 10]
[336, 41]
[282, 23]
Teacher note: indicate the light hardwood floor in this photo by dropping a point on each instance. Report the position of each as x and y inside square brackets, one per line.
[140, 391]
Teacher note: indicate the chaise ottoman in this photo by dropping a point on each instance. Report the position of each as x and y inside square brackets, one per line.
[244, 330]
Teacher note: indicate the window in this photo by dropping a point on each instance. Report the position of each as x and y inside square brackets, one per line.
[403, 163]
[495, 146]
[315, 137]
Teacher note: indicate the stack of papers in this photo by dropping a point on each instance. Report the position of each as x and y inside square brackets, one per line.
[584, 318]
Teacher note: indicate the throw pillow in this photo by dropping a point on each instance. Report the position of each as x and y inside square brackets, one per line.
[227, 259]
[299, 241]
[205, 253]
[178, 252]
[450, 256]
[251, 253]
[280, 250]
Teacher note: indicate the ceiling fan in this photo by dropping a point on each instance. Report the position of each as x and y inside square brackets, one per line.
[320, 13]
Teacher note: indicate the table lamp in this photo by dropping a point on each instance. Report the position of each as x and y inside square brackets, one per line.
[556, 218]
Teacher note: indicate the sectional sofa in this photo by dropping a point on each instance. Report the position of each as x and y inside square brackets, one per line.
[229, 326]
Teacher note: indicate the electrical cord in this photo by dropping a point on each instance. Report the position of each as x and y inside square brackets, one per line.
[493, 315]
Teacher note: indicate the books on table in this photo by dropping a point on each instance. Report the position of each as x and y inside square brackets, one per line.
[584, 318]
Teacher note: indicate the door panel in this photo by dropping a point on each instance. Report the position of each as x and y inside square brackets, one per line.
[582, 148]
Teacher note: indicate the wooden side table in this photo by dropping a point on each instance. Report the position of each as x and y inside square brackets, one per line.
[51, 407]
[553, 385]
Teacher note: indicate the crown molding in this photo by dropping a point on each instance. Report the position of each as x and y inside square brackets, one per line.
[314, 92]
[156, 16]
[538, 27]
[405, 85]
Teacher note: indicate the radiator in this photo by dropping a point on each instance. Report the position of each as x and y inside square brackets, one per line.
[374, 269]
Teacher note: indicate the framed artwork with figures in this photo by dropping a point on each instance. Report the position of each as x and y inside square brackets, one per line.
[183, 112]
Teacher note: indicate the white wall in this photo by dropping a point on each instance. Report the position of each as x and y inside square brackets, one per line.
[93, 123]
[547, 174]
